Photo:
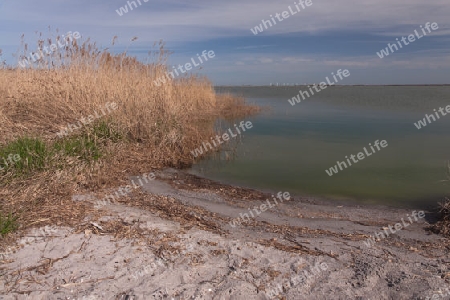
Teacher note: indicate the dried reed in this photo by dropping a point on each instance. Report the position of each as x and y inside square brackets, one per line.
[161, 125]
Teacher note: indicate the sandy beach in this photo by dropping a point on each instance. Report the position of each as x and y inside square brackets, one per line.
[226, 150]
[172, 239]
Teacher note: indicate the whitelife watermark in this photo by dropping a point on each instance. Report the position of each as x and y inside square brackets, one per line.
[12, 159]
[280, 17]
[42, 233]
[35, 56]
[323, 85]
[85, 121]
[423, 123]
[263, 207]
[384, 234]
[150, 269]
[299, 278]
[125, 190]
[411, 38]
[360, 156]
[187, 67]
[225, 136]
[124, 9]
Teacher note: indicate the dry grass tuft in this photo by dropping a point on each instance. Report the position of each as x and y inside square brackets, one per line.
[443, 226]
[232, 107]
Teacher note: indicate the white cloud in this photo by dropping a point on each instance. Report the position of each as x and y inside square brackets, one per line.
[294, 60]
[253, 47]
[265, 60]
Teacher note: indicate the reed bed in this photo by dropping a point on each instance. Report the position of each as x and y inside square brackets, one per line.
[153, 126]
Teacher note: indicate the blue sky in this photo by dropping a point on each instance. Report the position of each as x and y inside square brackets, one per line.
[304, 48]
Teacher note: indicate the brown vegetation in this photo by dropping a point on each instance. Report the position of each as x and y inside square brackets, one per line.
[443, 225]
[155, 126]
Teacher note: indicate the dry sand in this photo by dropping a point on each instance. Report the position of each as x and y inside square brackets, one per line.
[173, 240]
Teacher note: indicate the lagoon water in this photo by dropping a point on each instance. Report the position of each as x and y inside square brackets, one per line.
[290, 147]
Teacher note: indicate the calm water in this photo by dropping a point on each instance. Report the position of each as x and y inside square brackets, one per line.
[289, 147]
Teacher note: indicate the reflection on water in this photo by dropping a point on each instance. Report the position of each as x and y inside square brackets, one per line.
[290, 147]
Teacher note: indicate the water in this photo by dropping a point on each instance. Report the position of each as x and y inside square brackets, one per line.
[290, 147]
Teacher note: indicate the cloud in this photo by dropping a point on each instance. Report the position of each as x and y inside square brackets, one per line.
[225, 25]
[201, 20]
[265, 60]
[294, 60]
[253, 47]
[361, 62]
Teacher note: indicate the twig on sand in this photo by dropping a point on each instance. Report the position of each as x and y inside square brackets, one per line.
[79, 283]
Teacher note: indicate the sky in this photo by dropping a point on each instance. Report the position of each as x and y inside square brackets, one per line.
[305, 47]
